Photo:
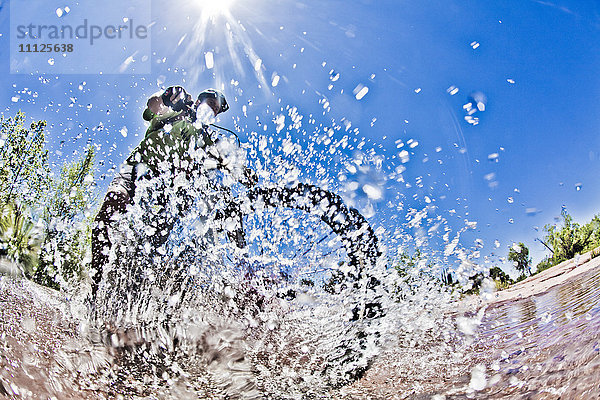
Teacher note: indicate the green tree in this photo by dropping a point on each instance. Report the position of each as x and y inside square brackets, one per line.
[24, 169]
[519, 255]
[68, 230]
[500, 277]
[415, 271]
[20, 238]
[44, 222]
[407, 262]
[546, 263]
[570, 239]
[24, 181]
[475, 284]
[594, 226]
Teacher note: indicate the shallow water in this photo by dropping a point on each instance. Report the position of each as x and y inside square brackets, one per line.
[545, 346]
[540, 347]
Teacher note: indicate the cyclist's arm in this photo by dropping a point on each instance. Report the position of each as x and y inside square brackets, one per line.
[158, 121]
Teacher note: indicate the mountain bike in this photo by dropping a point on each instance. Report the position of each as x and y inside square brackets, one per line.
[293, 250]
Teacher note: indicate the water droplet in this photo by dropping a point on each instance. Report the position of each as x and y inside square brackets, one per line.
[418, 90]
[474, 45]
[511, 81]
[373, 192]
[578, 186]
[51, 61]
[124, 131]
[510, 200]
[257, 64]
[15, 98]
[493, 157]
[333, 75]
[531, 211]
[209, 60]
[472, 120]
[275, 80]
[452, 90]
[360, 91]
[404, 156]
[478, 100]
[59, 12]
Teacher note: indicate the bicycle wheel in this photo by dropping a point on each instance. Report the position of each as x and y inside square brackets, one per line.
[305, 239]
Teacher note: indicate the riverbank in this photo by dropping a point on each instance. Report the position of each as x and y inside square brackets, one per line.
[545, 280]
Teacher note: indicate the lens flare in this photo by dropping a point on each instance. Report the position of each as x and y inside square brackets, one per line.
[212, 8]
[217, 25]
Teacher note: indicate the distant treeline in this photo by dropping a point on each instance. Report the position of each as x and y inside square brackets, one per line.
[564, 240]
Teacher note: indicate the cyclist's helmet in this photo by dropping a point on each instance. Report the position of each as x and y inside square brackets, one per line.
[217, 95]
[177, 98]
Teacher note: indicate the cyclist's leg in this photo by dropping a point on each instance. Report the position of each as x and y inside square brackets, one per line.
[120, 194]
[114, 204]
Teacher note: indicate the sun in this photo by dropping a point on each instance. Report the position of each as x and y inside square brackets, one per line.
[213, 8]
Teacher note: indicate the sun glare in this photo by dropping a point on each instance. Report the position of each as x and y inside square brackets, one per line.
[212, 8]
[218, 42]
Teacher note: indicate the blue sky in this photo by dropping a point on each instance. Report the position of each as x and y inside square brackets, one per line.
[536, 62]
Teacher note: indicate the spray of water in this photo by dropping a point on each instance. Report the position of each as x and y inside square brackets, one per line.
[304, 305]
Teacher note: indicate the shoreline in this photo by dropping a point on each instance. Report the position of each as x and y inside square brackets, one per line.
[545, 280]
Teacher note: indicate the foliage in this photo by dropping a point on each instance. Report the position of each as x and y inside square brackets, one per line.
[521, 277]
[24, 178]
[594, 226]
[571, 239]
[519, 255]
[67, 239]
[24, 169]
[544, 264]
[415, 272]
[500, 277]
[565, 242]
[70, 194]
[407, 264]
[20, 238]
[475, 284]
[44, 221]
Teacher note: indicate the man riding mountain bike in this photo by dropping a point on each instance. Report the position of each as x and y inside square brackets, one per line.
[166, 157]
